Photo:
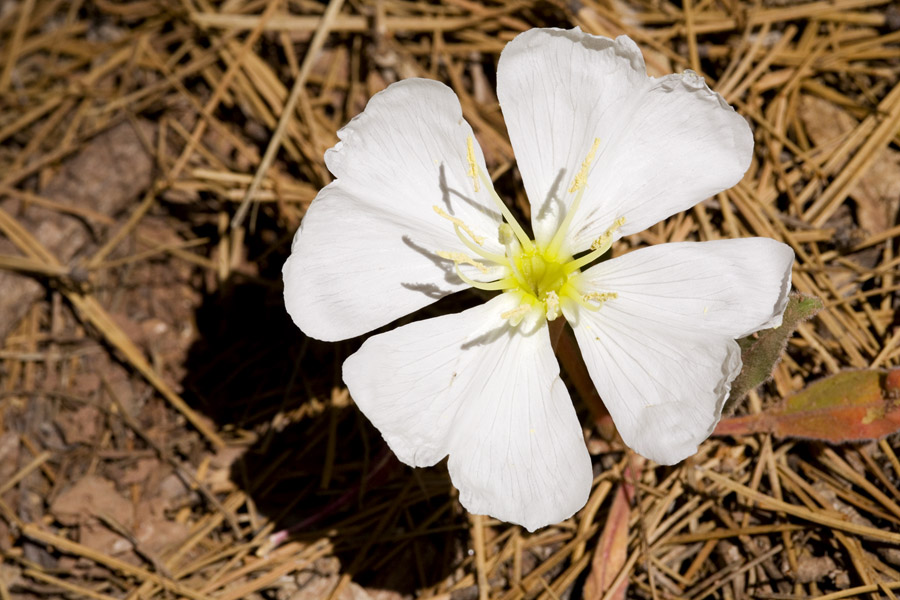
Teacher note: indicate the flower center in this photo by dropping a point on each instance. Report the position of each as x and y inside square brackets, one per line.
[540, 277]
[540, 280]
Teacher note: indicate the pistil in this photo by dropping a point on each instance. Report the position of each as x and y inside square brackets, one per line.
[539, 277]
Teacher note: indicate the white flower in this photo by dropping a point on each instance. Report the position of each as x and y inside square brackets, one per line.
[604, 151]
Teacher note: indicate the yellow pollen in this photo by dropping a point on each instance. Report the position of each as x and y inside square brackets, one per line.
[460, 258]
[581, 177]
[516, 315]
[470, 158]
[598, 248]
[540, 277]
[604, 239]
[599, 297]
[551, 301]
[555, 247]
[459, 223]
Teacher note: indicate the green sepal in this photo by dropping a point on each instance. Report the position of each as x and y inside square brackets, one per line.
[761, 351]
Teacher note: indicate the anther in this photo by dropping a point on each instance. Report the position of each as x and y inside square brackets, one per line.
[470, 158]
[516, 315]
[581, 177]
[460, 258]
[598, 248]
[578, 188]
[551, 302]
[599, 297]
[459, 223]
[604, 239]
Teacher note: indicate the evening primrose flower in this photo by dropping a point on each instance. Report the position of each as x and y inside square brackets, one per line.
[604, 151]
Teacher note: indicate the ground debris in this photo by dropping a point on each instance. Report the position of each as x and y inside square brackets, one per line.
[165, 431]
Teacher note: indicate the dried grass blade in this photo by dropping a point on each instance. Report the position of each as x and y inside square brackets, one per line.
[821, 517]
[315, 46]
[62, 544]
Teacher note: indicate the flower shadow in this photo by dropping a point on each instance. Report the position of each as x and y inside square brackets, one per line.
[447, 192]
[306, 458]
[445, 265]
[553, 203]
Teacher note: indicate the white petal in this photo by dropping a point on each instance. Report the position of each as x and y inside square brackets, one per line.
[664, 387]
[662, 353]
[665, 144]
[559, 90]
[489, 395]
[727, 287]
[365, 252]
[522, 459]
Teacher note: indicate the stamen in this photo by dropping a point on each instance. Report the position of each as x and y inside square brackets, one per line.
[516, 315]
[581, 178]
[470, 158]
[504, 210]
[460, 258]
[598, 248]
[459, 223]
[551, 301]
[604, 240]
[513, 250]
[578, 185]
[506, 283]
[459, 227]
[496, 258]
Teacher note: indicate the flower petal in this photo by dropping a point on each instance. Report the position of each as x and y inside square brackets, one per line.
[664, 144]
[728, 287]
[365, 252]
[488, 394]
[662, 353]
[663, 387]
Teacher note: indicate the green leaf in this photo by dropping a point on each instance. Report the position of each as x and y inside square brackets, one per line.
[761, 351]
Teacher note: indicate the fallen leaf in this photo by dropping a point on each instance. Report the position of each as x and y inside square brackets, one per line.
[91, 505]
[154, 532]
[878, 190]
[79, 426]
[612, 547]
[92, 496]
[107, 175]
[324, 587]
[812, 568]
[847, 407]
[142, 469]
